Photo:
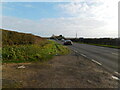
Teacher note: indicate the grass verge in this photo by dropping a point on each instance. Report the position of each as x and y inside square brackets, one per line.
[32, 53]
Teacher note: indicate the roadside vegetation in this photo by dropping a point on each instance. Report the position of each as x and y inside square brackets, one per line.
[26, 53]
[29, 48]
[15, 38]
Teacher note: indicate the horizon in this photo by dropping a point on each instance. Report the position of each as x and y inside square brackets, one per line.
[63, 36]
[93, 19]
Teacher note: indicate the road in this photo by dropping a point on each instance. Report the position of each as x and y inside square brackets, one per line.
[62, 71]
[75, 70]
[106, 57]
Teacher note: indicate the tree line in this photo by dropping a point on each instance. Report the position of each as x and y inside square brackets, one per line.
[104, 41]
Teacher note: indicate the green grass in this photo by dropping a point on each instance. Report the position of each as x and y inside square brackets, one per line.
[32, 53]
[110, 46]
[107, 46]
[0, 55]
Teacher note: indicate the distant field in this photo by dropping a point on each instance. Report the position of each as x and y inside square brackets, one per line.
[110, 46]
[20, 47]
[105, 42]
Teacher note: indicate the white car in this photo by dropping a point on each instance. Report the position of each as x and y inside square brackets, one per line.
[62, 40]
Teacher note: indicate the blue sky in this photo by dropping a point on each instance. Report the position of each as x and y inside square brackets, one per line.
[32, 10]
[89, 18]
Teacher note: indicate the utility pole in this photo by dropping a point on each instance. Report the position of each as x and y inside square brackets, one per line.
[76, 35]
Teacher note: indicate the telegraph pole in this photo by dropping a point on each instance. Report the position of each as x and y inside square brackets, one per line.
[76, 35]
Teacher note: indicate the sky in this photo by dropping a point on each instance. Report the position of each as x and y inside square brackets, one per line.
[87, 18]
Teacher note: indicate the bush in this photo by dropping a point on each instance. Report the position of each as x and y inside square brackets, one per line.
[24, 53]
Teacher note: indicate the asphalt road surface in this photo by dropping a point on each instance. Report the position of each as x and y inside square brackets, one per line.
[104, 56]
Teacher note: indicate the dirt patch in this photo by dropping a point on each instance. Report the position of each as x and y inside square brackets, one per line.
[70, 71]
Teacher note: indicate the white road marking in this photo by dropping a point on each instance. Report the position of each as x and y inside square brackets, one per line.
[115, 53]
[75, 51]
[116, 78]
[96, 62]
[84, 55]
[117, 73]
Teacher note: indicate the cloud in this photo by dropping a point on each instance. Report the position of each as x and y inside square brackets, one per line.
[91, 8]
[74, 9]
[89, 18]
[18, 24]
[105, 11]
[66, 26]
